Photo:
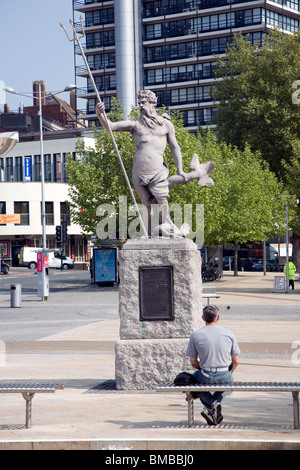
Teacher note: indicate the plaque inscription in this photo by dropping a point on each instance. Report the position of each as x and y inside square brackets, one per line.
[156, 293]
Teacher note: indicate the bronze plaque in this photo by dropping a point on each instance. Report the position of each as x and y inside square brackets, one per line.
[156, 293]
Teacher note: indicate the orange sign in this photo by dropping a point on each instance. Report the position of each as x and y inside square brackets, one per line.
[10, 218]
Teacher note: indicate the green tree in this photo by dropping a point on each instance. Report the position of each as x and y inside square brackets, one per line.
[258, 106]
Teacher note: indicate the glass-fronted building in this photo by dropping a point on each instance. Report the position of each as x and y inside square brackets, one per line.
[168, 46]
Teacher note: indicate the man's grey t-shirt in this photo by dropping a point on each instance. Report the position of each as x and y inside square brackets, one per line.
[213, 345]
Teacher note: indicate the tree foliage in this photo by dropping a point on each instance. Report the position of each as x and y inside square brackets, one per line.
[258, 104]
[255, 96]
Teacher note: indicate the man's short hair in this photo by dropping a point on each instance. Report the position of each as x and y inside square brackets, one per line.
[210, 313]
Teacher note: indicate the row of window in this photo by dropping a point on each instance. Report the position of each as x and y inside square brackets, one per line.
[99, 17]
[191, 118]
[286, 23]
[169, 7]
[23, 208]
[200, 117]
[204, 24]
[191, 49]
[77, 3]
[182, 73]
[28, 168]
[100, 39]
[183, 96]
[101, 61]
[174, 97]
[91, 107]
[103, 82]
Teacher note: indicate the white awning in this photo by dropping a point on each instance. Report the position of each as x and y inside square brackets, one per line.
[7, 141]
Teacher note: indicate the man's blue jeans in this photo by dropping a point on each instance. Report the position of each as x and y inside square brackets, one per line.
[208, 377]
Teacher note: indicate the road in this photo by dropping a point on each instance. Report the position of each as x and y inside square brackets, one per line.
[73, 301]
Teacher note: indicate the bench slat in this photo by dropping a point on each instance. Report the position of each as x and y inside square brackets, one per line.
[29, 387]
[236, 386]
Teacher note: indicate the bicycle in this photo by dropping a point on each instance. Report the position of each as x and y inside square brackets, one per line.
[209, 273]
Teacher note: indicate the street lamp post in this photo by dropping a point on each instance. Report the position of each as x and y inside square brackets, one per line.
[28, 95]
[287, 202]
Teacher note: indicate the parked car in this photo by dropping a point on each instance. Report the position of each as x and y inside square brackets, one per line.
[226, 264]
[248, 263]
[260, 266]
[4, 268]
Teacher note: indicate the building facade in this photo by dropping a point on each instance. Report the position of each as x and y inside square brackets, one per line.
[20, 176]
[20, 193]
[168, 46]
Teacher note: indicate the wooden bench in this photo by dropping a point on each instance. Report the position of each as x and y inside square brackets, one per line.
[293, 388]
[209, 292]
[28, 391]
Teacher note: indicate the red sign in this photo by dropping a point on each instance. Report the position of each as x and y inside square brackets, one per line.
[46, 261]
[39, 257]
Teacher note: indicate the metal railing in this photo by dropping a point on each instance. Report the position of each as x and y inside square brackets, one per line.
[79, 3]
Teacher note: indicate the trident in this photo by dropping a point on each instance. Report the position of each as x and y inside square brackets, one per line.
[77, 38]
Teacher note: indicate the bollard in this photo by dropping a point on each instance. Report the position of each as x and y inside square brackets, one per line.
[15, 295]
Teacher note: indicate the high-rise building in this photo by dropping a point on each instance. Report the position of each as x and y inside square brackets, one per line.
[168, 46]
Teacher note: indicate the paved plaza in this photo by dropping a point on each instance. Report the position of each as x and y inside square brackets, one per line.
[90, 414]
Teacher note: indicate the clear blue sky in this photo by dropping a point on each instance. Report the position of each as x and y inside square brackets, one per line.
[33, 46]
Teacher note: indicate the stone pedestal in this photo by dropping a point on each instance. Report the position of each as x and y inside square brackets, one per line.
[154, 351]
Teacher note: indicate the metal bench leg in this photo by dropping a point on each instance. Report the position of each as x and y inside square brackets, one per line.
[296, 409]
[190, 401]
[28, 397]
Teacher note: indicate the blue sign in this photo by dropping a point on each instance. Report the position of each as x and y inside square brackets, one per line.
[27, 173]
[105, 265]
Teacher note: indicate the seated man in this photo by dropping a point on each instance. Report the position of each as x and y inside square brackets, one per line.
[213, 350]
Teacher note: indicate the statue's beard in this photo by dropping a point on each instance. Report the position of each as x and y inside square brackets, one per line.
[150, 118]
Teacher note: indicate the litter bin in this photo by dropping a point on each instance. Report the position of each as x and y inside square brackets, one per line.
[15, 295]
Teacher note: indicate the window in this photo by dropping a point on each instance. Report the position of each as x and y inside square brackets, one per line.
[91, 106]
[37, 168]
[100, 61]
[57, 167]
[22, 208]
[19, 169]
[1, 169]
[190, 117]
[49, 213]
[9, 169]
[105, 38]
[2, 208]
[153, 31]
[65, 213]
[47, 168]
[64, 162]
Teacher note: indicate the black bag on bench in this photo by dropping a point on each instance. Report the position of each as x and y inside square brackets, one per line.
[185, 378]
